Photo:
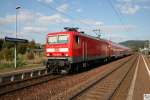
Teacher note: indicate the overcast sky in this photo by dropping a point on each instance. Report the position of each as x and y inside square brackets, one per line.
[119, 20]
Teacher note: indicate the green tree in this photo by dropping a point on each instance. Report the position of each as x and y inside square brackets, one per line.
[7, 54]
[30, 55]
[1, 43]
[22, 48]
[8, 45]
[32, 44]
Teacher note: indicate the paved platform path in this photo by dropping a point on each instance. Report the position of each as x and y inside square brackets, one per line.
[142, 82]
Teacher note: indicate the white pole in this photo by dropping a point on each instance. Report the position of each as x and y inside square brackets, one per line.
[15, 59]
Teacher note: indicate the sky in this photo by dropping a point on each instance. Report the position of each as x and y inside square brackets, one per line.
[118, 20]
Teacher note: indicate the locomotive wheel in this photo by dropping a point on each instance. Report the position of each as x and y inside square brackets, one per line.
[48, 67]
[106, 60]
[74, 68]
[77, 68]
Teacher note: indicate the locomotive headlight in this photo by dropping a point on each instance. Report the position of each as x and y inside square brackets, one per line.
[50, 50]
[66, 54]
[47, 54]
[63, 49]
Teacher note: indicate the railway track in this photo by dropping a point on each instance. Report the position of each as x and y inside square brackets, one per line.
[58, 86]
[11, 82]
[104, 87]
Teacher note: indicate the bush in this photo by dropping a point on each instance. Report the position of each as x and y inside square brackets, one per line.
[1, 44]
[1, 55]
[6, 54]
[8, 45]
[20, 63]
[6, 65]
[30, 56]
[22, 48]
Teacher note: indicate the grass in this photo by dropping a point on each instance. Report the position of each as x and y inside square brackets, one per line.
[22, 63]
[7, 67]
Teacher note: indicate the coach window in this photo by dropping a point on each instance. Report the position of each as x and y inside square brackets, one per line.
[77, 39]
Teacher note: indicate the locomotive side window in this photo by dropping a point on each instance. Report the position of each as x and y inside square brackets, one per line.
[77, 39]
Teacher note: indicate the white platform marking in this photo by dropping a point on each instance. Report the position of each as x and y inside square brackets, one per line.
[130, 94]
[146, 66]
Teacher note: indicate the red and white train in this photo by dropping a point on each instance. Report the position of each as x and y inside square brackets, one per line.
[71, 50]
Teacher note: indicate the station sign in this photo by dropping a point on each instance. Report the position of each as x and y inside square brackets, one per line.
[16, 40]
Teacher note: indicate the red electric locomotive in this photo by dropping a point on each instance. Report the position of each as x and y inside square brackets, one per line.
[70, 50]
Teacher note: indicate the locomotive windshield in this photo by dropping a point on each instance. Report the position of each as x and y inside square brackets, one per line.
[52, 39]
[62, 38]
[58, 39]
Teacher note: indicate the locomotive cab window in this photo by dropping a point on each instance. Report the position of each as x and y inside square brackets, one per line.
[62, 38]
[52, 39]
[77, 39]
[58, 39]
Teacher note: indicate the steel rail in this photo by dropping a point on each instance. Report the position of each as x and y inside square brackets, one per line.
[75, 95]
[26, 78]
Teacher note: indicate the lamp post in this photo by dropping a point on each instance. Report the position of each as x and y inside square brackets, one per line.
[15, 59]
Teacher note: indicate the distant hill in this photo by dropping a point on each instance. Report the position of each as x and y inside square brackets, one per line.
[135, 44]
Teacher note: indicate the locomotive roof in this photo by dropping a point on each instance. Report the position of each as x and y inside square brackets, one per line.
[89, 36]
[108, 41]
